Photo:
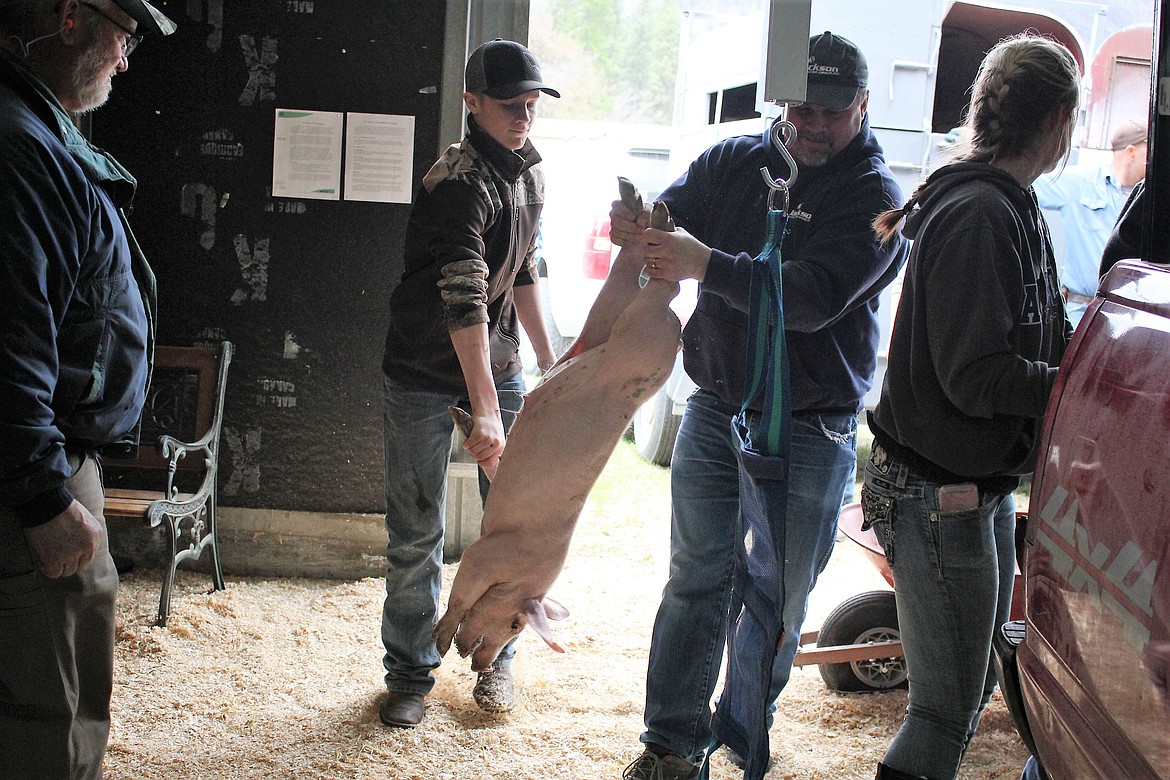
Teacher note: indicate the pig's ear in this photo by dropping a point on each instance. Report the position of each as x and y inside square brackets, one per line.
[554, 609]
[538, 621]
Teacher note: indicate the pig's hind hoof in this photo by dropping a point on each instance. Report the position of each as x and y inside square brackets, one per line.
[495, 691]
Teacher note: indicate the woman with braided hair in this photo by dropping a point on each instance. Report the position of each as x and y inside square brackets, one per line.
[979, 334]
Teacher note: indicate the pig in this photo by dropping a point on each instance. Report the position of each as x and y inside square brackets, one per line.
[563, 437]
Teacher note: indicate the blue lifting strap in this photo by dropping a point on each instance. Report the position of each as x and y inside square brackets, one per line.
[754, 626]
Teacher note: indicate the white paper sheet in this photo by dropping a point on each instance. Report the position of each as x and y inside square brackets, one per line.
[379, 157]
[306, 157]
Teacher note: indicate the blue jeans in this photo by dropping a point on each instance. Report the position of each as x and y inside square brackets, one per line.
[687, 644]
[1031, 770]
[953, 575]
[417, 443]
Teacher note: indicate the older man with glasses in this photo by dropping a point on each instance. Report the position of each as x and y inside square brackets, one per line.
[76, 338]
[132, 39]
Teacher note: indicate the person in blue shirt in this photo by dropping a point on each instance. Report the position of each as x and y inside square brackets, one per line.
[1089, 199]
[1126, 239]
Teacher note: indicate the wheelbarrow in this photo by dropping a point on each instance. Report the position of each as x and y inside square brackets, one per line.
[858, 647]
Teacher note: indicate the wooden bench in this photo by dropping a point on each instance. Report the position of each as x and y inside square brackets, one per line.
[183, 414]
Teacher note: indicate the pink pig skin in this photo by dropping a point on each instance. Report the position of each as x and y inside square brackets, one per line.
[558, 446]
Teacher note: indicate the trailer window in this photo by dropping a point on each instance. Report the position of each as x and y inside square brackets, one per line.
[733, 104]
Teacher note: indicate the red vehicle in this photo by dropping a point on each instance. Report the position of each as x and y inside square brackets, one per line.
[1087, 672]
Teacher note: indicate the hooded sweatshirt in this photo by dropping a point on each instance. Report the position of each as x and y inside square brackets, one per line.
[979, 333]
[832, 267]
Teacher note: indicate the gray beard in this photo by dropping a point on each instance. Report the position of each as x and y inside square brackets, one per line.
[89, 84]
[810, 160]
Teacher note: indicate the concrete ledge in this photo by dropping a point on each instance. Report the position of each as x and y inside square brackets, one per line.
[464, 510]
[283, 543]
[271, 543]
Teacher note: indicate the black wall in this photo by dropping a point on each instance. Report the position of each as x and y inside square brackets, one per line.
[300, 286]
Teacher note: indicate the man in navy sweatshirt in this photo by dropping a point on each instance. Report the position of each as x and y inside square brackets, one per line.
[833, 270]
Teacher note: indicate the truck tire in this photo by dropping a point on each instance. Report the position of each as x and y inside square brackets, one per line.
[560, 344]
[866, 617]
[655, 427]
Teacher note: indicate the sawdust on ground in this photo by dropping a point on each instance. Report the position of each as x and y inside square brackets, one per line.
[281, 678]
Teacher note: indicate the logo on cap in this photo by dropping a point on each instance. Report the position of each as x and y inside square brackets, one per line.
[504, 69]
[822, 70]
[836, 71]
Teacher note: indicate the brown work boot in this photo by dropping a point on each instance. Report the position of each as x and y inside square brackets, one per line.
[495, 691]
[655, 765]
[402, 710]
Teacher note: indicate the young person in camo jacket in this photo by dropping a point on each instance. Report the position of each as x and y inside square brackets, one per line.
[453, 340]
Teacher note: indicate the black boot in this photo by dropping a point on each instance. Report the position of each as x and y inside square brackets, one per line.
[886, 773]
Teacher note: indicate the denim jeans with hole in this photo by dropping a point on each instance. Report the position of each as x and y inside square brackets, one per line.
[953, 575]
[417, 443]
[687, 644]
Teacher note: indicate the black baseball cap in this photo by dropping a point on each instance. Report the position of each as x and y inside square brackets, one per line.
[504, 69]
[836, 70]
[150, 19]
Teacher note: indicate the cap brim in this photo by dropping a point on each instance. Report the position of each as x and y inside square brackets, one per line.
[835, 97]
[1124, 142]
[519, 88]
[150, 19]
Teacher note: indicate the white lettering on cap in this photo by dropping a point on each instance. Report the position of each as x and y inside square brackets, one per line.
[822, 70]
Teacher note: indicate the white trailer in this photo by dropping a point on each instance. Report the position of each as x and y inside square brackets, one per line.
[922, 55]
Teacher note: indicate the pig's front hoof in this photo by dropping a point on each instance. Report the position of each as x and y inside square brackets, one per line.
[445, 630]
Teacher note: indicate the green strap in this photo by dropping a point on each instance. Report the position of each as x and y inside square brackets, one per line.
[767, 370]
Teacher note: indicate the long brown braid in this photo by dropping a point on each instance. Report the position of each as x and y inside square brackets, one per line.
[1022, 82]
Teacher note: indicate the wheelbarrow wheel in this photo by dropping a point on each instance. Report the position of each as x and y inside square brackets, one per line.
[864, 618]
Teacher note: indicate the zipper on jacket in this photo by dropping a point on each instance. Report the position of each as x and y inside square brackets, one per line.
[517, 253]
